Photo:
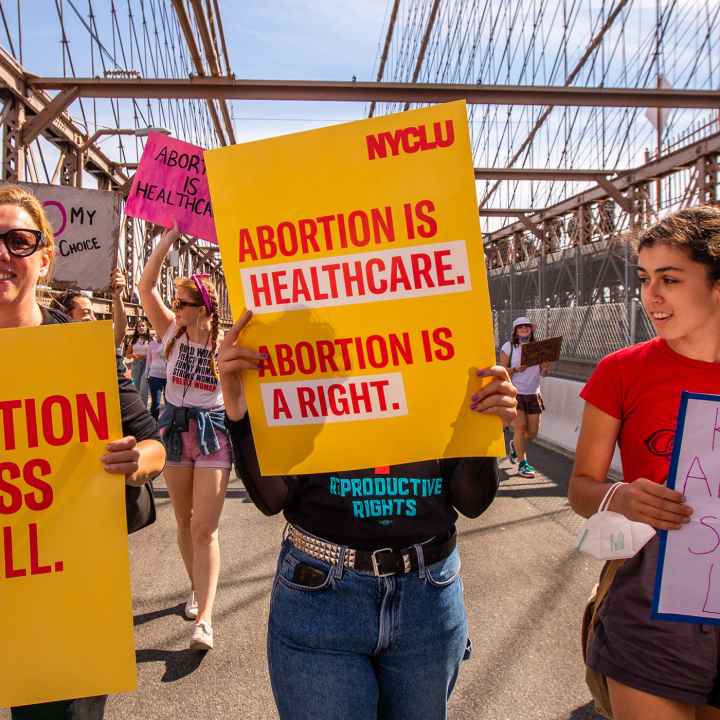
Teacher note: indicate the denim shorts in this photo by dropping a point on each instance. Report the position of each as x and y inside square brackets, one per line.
[192, 455]
[361, 647]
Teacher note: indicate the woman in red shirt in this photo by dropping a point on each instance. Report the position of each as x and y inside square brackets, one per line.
[654, 668]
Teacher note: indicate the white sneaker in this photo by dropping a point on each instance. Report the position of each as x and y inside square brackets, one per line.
[202, 637]
[191, 607]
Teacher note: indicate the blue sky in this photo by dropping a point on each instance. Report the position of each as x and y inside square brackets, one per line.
[301, 40]
[331, 40]
[282, 39]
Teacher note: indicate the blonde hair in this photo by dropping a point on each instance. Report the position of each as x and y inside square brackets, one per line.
[188, 284]
[19, 197]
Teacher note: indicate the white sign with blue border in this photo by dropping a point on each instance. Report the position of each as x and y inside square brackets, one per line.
[687, 583]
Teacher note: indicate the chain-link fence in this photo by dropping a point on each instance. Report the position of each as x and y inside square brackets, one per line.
[589, 331]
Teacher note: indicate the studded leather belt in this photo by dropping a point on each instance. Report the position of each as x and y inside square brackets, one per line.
[381, 562]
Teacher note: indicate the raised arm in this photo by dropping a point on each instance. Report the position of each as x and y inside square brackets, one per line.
[159, 314]
[118, 285]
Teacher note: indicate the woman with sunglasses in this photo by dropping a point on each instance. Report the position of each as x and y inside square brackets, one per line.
[193, 425]
[27, 251]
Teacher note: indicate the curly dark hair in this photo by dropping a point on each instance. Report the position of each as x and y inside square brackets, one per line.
[697, 229]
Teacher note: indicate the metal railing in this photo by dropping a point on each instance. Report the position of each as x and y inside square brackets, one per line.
[589, 331]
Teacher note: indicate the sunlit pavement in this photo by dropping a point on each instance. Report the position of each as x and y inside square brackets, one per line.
[525, 588]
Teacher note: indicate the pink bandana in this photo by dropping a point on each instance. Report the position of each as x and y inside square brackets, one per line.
[207, 302]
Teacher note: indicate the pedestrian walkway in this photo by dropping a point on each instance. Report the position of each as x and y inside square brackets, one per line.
[525, 588]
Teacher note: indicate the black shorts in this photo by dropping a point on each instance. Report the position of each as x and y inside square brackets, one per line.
[530, 404]
[674, 660]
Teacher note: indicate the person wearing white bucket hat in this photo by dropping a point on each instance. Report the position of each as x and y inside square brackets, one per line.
[527, 382]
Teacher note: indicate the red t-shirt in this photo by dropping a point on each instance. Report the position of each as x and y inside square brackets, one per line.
[640, 386]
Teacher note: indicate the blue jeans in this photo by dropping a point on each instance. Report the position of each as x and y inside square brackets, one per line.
[139, 380]
[157, 387]
[359, 647]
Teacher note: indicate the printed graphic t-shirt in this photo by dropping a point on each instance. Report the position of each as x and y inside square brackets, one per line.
[190, 379]
[527, 382]
[373, 508]
[641, 386]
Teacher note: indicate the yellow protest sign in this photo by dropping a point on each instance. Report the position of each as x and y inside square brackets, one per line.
[64, 571]
[358, 248]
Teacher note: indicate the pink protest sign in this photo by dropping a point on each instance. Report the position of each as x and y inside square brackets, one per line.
[171, 184]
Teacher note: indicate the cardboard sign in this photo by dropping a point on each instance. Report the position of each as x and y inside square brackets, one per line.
[170, 184]
[540, 351]
[86, 225]
[358, 248]
[64, 572]
[687, 584]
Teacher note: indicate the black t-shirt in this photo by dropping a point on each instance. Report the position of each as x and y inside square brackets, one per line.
[369, 509]
[136, 420]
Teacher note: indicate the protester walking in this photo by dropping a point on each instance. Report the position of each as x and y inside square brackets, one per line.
[367, 618]
[156, 375]
[27, 252]
[656, 669]
[137, 352]
[193, 426]
[530, 404]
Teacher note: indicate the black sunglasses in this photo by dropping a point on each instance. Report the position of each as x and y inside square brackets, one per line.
[180, 304]
[22, 242]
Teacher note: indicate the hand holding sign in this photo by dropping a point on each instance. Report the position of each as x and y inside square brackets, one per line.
[122, 457]
[232, 360]
[497, 397]
[646, 501]
[118, 284]
[170, 235]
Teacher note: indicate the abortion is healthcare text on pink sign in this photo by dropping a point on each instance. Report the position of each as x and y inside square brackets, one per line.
[171, 184]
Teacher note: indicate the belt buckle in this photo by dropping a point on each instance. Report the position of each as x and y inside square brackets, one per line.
[376, 568]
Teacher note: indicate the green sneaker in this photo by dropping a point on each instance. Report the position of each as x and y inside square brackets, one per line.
[513, 453]
[526, 470]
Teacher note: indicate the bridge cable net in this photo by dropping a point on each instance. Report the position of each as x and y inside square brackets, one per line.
[129, 39]
[554, 240]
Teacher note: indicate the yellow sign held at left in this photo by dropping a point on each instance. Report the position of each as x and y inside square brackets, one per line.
[64, 570]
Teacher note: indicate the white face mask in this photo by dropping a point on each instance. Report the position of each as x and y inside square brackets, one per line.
[609, 535]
